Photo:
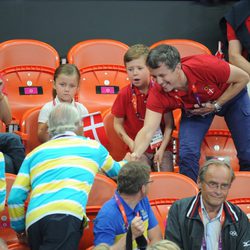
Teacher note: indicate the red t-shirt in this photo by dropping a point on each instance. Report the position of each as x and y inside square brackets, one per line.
[123, 108]
[207, 73]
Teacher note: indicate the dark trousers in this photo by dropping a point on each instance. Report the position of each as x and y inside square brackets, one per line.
[13, 150]
[55, 232]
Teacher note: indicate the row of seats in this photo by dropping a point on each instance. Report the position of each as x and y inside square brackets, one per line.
[29, 85]
[164, 190]
[27, 67]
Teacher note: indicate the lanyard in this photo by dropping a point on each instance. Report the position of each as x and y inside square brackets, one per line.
[134, 103]
[222, 220]
[122, 210]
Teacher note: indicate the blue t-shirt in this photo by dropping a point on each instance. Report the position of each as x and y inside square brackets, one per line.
[109, 225]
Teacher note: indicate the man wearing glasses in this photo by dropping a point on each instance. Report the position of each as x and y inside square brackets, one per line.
[128, 214]
[208, 221]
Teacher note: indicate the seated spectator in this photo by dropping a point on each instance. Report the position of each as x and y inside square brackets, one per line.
[129, 110]
[59, 175]
[128, 211]
[10, 144]
[2, 182]
[66, 85]
[235, 26]
[208, 221]
[163, 245]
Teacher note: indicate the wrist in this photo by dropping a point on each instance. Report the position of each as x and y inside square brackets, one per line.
[217, 107]
[1, 96]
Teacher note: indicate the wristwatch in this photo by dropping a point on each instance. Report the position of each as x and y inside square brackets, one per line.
[217, 107]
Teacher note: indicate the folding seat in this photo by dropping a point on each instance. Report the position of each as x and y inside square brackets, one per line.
[185, 47]
[102, 190]
[87, 239]
[171, 185]
[161, 208]
[27, 67]
[103, 74]
[116, 147]
[28, 129]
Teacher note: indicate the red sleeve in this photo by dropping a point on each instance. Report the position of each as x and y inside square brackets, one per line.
[231, 33]
[120, 104]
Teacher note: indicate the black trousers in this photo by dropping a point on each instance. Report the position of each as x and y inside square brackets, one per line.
[55, 232]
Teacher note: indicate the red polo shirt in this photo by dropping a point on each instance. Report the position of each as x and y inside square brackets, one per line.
[207, 73]
[123, 108]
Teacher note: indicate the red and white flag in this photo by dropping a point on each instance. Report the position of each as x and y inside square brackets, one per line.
[93, 128]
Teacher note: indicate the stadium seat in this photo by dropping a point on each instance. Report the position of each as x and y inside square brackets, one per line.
[100, 62]
[185, 47]
[116, 147]
[240, 186]
[2, 127]
[171, 185]
[28, 129]
[18, 246]
[161, 208]
[244, 205]
[102, 190]
[27, 66]
[6, 233]
[87, 239]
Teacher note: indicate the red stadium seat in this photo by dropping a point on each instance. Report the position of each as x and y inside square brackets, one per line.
[185, 47]
[27, 66]
[100, 62]
[171, 185]
[102, 190]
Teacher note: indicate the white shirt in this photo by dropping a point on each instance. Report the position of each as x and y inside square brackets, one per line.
[47, 108]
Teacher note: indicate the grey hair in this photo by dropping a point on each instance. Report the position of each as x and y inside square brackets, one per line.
[64, 117]
[163, 54]
[203, 170]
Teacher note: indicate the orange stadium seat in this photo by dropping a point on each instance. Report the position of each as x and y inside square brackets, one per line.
[27, 66]
[18, 246]
[116, 147]
[102, 190]
[240, 186]
[161, 208]
[185, 47]
[6, 232]
[171, 185]
[100, 62]
[2, 127]
[28, 129]
[87, 239]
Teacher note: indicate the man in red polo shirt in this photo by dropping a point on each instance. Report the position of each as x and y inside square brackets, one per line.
[130, 106]
[202, 86]
[235, 26]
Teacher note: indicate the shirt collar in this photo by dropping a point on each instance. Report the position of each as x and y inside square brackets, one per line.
[65, 134]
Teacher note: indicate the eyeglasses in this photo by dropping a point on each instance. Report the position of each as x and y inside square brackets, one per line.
[214, 185]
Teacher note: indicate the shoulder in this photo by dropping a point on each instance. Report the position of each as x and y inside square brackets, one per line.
[81, 108]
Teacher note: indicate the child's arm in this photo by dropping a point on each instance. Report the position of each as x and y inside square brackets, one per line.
[42, 132]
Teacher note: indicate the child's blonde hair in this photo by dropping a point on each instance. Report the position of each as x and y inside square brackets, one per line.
[135, 52]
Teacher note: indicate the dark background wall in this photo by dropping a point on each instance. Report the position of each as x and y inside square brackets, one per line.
[64, 23]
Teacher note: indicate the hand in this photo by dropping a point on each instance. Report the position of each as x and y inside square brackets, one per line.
[135, 157]
[205, 109]
[127, 157]
[158, 157]
[137, 227]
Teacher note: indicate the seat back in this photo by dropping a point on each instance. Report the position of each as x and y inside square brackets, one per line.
[27, 67]
[87, 239]
[2, 127]
[161, 208]
[103, 74]
[28, 129]
[116, 147]
[102, 190]
[240, 186]
[171, 186]
[185, 47]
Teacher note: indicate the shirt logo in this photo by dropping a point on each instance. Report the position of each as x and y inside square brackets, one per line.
[233, 233]
[246, 244]
[209, 90]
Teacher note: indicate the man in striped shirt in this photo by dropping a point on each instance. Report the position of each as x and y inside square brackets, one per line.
[59, 175]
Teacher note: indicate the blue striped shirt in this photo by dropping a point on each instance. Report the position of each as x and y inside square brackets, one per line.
[2, 182]
[59, 174]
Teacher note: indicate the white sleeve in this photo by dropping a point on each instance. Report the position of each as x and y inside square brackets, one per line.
[82, 109]
[44, 112]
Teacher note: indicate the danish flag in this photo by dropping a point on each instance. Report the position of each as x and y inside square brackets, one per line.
[93, 127]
